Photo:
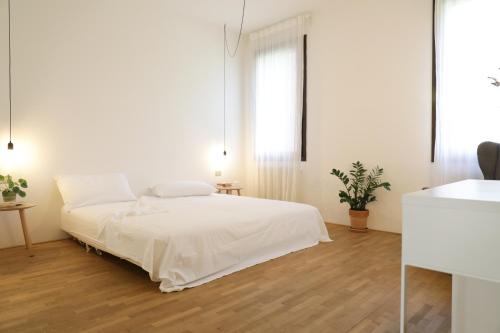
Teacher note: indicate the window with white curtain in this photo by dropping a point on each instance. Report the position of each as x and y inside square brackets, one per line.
[275, 101]
[468, 105]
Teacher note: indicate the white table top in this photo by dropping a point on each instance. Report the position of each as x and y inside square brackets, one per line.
[454, 228]
[484, 193]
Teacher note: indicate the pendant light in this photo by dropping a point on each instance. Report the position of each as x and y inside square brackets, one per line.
[227, 51]
[10, 145]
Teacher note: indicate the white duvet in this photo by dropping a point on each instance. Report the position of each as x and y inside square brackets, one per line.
[184, 242]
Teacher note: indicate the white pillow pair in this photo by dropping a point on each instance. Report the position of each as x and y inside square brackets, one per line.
[85, 190]
[182, 189]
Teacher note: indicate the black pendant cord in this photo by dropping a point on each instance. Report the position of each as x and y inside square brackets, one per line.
[225, 152]
[10, 145]
[227, 51]
[233, 54]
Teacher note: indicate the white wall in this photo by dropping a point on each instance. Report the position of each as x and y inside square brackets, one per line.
[103, 86]
[134, 86]
[369, 100]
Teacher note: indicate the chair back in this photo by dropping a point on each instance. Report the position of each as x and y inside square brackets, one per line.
[488, 156]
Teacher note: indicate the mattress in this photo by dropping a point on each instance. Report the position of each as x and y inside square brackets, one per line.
[89, 221]
[185, 242]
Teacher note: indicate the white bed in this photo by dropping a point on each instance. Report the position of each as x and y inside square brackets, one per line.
[185, 242]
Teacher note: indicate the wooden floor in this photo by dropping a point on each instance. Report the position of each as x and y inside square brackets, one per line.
[350, 285]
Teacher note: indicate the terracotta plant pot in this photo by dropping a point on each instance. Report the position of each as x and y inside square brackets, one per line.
[359, 220]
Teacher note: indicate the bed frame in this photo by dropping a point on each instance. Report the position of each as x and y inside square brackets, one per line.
[99, 248]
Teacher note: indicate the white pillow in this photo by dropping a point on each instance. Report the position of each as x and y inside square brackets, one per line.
[85, 190]
[182, 189]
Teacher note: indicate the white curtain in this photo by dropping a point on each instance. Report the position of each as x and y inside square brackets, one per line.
[276, 98]
[468, 106]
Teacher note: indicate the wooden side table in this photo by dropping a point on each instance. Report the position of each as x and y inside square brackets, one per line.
[229, 189]
[21, 207]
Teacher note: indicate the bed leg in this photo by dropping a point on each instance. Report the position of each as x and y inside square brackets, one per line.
[87, 248]
[99, 252]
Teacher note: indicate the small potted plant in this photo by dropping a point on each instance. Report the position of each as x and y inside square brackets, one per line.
[10, 188]
[359, 191]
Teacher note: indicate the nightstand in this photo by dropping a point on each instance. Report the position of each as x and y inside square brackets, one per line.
[21, 207]
[229, 189]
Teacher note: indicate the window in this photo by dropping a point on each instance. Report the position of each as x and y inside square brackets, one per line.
[278, 113]
[276, 100]
[468, 106]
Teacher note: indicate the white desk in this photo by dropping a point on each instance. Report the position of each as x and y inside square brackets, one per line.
[455, 229]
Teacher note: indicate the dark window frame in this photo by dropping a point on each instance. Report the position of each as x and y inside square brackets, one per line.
[433, 131]
[303, 150]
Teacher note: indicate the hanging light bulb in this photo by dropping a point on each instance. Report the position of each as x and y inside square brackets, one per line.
[10, 145]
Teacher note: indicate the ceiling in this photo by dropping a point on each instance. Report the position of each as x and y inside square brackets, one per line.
[259, 13]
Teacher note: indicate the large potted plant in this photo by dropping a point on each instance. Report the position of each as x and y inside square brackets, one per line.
[10, 188]
[360, 186]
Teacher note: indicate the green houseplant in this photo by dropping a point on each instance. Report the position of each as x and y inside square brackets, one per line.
[10, 188]
[360, 186]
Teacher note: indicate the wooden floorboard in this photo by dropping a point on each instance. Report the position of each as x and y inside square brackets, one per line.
[349, 285]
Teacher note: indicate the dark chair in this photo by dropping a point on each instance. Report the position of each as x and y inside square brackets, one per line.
[488, 155]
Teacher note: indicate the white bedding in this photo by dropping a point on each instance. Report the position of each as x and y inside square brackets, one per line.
[89, 221]
[185, 242]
